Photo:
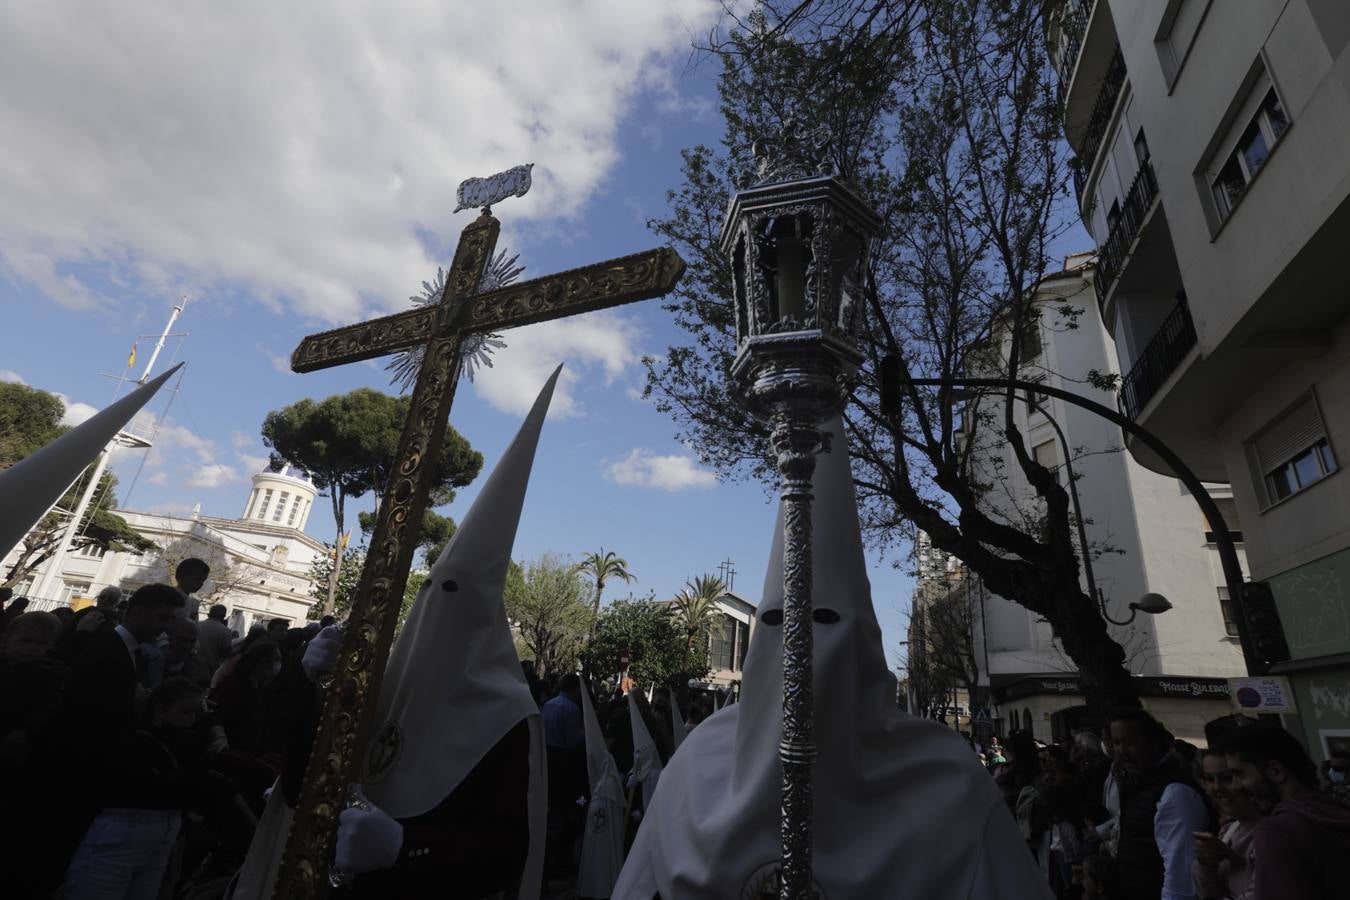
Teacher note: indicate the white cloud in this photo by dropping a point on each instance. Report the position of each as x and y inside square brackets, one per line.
[300, 154]
[76, 413]
[253, 464]
[213, 475]
[603, 340]
[281, 363]
[12, 377]
[160, 478]
[643, 468]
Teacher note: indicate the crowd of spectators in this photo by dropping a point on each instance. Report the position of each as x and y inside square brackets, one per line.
[137, 744]
[1143, 816]
[137, 747]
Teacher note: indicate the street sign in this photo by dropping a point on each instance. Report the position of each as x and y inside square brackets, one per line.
[979, 715]
[1262, 694]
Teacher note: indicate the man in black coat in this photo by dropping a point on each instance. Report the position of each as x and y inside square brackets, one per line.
[112, 669]
[1161, 809]
[107, 675]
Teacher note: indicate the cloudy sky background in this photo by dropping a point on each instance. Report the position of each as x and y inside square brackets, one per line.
[292, 167]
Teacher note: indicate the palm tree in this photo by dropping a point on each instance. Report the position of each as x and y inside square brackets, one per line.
[603, 566]
[696, 606]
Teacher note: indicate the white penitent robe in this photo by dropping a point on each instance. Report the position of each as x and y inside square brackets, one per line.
[602, 840]
[646, 758]
[902, 810]
[453, 686]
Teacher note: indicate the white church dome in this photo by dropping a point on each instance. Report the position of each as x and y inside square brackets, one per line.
[283, 498]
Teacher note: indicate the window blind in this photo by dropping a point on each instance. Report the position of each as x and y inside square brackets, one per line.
[1289, 436]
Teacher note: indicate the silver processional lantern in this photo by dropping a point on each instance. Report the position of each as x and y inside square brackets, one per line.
[798, 249]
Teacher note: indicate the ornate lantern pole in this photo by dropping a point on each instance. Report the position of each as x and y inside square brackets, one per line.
[798, 249]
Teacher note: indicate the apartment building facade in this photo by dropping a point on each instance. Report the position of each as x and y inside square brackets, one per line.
[1145, 534]
[1212, 171]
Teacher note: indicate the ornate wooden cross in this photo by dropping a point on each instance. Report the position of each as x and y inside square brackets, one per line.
[349, 706]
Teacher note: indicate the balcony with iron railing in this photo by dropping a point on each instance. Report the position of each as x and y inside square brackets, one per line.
[1115, 251]
[1113, 82]
[1071, 24]
[1165, 351]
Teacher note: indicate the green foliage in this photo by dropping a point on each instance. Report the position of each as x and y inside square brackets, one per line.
[348, 443]
[943, 116]
[659, 652]
[601, 567]
[29, 419]
[695, 607]
[353, 560]
[546, 600]
[416, 579]
[435, 533]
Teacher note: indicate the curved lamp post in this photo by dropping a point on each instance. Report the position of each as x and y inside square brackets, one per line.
[1151, 603]
[798, 250]
[1256, 656]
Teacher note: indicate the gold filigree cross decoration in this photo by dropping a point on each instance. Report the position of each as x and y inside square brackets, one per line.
[346, 722]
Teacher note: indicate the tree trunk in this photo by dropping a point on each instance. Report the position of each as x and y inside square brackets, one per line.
[338, 516]
[599, 589]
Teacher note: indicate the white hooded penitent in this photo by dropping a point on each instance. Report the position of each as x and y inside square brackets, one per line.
[602, 841]
[902, 809]
[646, 759]
[32, 485]
[453, 687]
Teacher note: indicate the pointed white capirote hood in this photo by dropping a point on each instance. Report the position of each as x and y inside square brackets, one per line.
[454, 686]
[598, 757]
[32, 486]
[646, 759]
[881, 778]
[602, 839]
[676, 722]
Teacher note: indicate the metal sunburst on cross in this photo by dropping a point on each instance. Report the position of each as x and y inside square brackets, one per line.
[465, 310]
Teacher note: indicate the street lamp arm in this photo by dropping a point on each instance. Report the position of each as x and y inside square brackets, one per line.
[1232, 567]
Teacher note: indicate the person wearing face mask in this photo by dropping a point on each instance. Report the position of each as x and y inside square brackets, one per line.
[1336, 771]
[242, 699]
[887, 787]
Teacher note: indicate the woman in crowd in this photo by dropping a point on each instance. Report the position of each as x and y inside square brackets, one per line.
[1223, 866]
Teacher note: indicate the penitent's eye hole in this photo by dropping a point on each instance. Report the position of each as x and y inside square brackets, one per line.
[825, 616]
[772, 617]
[450, 585]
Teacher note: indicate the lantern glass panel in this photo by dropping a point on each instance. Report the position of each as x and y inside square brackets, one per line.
[845, 255]
[741, 296]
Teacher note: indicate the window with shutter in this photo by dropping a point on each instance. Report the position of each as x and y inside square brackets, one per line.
[1293, 453]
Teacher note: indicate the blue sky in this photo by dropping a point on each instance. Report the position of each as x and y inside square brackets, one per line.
[290, 173]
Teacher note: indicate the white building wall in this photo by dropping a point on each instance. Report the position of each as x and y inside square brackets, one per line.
[260, 569]
[1151, 525]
